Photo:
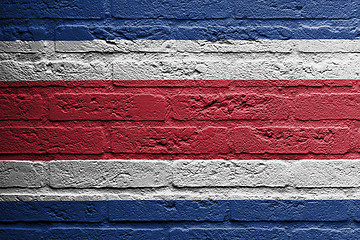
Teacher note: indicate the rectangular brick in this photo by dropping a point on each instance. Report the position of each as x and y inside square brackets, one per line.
[327, 106]
[23, 174]
[12, 233]
[96, 106]
[108, 174]
[53, 211]
[63, 9]
[40, 140]
[291, 140]
[300, 9]
[289, 210]
[228, 233]
[87, 233]
[159, 210]
[20, 106]
[325, 233]
[230, 107]
[171, 9]
[230, 173]
[187, 140]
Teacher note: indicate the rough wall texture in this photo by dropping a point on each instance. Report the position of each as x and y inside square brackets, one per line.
[242, 219]
[180, 119]
[158, 190]
[177, 59]
[174, 19]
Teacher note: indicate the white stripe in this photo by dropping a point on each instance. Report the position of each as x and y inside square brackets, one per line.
[180, 59]
[179, 179]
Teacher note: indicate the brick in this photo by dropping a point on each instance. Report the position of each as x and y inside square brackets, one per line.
[327, 106]
[50, 140]
[230, 173]
[69, 69]
[109, 174]
[318, 233]
[325, 174]
[171, 9]
[19, 233]
[301, 9]
[53, 211]
[62, 9]
[104, 233]
[188, 140]
[228, 233]
[291, 140]
[230, 107]
[158, 210]
[98, 106]
[289, 210]
[22, 174]
[20, 106]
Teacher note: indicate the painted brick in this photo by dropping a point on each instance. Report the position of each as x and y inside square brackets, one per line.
[21, 106]
[56, 211]
[49, 140]
[230, 107]
[107, 107]
[23, 174]
[85, 233]
[301, 9]
[158, 210]
[320, 140]
[188, 140]
[230, 173]
[171, 9]
[289, 210]
[229, 233]
[327, 106]
[318, 233]
[109, 174]
[325, 174]
[61, 9]
[18, 233]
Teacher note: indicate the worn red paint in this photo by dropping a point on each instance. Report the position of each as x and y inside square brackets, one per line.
[215, 119]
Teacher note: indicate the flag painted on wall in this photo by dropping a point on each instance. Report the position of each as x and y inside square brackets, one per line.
[218, 119]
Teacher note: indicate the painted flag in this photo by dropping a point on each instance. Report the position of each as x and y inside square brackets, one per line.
[179, 119]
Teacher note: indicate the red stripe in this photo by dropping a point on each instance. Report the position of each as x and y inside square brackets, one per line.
[295, 119]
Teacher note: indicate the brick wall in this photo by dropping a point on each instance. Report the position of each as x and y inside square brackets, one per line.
[180, 119]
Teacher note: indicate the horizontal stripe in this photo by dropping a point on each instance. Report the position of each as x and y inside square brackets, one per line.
[219, 119]
[149, 60]
[247, 219]
[179, 179]
[185, 19]
[181, 210]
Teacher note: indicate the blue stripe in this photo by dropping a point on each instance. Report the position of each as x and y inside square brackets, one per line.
[179, 19]
[237, 219]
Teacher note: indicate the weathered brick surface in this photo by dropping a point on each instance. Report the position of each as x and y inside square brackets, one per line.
[78, 9]
[180, 119]
[109, 174]
[291, 140]
[167, 220]
[169, 140]
[168, 210]
[180, 19]
[172, 9]
[317, 211]
[327, 106]
[107, 107]
[49, 140]
[22, 106]
[230, 107]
